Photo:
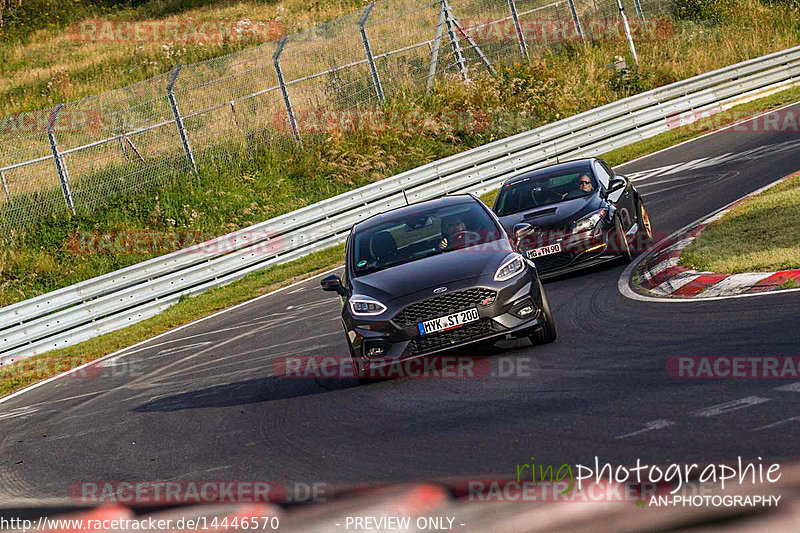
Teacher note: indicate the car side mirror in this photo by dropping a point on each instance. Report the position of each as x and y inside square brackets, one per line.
[520, 230]
[333, 283]
[615, 185]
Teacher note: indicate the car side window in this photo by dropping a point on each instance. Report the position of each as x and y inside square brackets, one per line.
[602, 174]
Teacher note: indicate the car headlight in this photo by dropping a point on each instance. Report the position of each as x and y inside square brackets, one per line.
[589, 222]
[510, 267]
[366, 306]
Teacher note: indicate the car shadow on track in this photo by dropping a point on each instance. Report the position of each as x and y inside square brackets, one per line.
[267, 389]
[282, 387]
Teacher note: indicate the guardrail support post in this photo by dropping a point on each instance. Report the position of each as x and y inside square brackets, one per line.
[523, 46]
[289, 111]
[638, 4]
[576, 20]
[628, 32]
[451, 32]
[61, 165]
[5, 186]
[187, 148]
[437, 41]
[376, 80]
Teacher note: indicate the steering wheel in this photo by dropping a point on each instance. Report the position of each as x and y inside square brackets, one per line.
[463, 237]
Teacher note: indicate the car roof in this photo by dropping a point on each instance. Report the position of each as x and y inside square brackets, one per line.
[444, 201]
[575, 165]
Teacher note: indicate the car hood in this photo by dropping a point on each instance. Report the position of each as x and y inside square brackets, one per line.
[555, 215]
[432, 272]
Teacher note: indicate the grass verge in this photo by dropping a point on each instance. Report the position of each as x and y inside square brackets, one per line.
[762, 234]
[17, 376]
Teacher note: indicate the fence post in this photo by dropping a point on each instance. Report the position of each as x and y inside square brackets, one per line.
[576, 20]
[451, 32]
[61, 165]
[187, 148]
[638, 4]
[437, 41]
[284, 91]
[475, 46]
[628, 32]
[5, 186]
[520, 36]
[375, 78]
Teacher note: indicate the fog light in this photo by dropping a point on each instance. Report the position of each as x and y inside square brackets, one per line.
[372, 349]
[525, 311]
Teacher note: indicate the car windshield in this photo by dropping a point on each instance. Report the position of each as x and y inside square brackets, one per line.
[545, 189]
[413, 236]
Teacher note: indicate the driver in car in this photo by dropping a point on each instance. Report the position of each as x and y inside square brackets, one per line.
[584, 187]
[451, 227]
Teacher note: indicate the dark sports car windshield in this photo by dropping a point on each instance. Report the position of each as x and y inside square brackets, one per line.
[411, 237]
[544, 189]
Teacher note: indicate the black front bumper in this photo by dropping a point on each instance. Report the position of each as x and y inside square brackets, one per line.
[399, 338]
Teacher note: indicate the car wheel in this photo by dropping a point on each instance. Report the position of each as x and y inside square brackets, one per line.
[644, 237]
[620, 242]
[547, 333]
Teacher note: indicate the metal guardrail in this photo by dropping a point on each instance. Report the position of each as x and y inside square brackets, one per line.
[112, 301]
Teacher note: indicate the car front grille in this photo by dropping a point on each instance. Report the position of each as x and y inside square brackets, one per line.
[445, 304]
[453, 337]
[552, 262]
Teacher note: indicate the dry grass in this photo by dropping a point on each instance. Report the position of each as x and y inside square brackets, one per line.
[760, 235]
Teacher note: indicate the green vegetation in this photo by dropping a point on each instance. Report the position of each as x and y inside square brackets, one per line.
[762, 234]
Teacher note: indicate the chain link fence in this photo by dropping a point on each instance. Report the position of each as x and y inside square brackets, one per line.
[82, 154]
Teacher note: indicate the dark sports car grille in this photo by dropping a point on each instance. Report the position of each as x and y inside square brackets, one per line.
[436, 341]
[441, 306]
[552, 262]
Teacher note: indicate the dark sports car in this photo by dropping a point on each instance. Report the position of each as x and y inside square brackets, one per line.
[433, 276]
[574, 215]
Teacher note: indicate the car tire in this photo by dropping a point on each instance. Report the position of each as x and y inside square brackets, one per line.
[644, 237]
[620, 242]
[546, 333]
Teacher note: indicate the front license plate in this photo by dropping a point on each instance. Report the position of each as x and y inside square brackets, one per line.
[544, 250]
[448, 322]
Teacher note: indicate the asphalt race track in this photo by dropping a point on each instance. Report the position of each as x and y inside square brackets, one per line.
[202, 403]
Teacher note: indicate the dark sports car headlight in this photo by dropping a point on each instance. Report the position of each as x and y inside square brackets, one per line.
[366, 306]
[510, 267]
[589, 222]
